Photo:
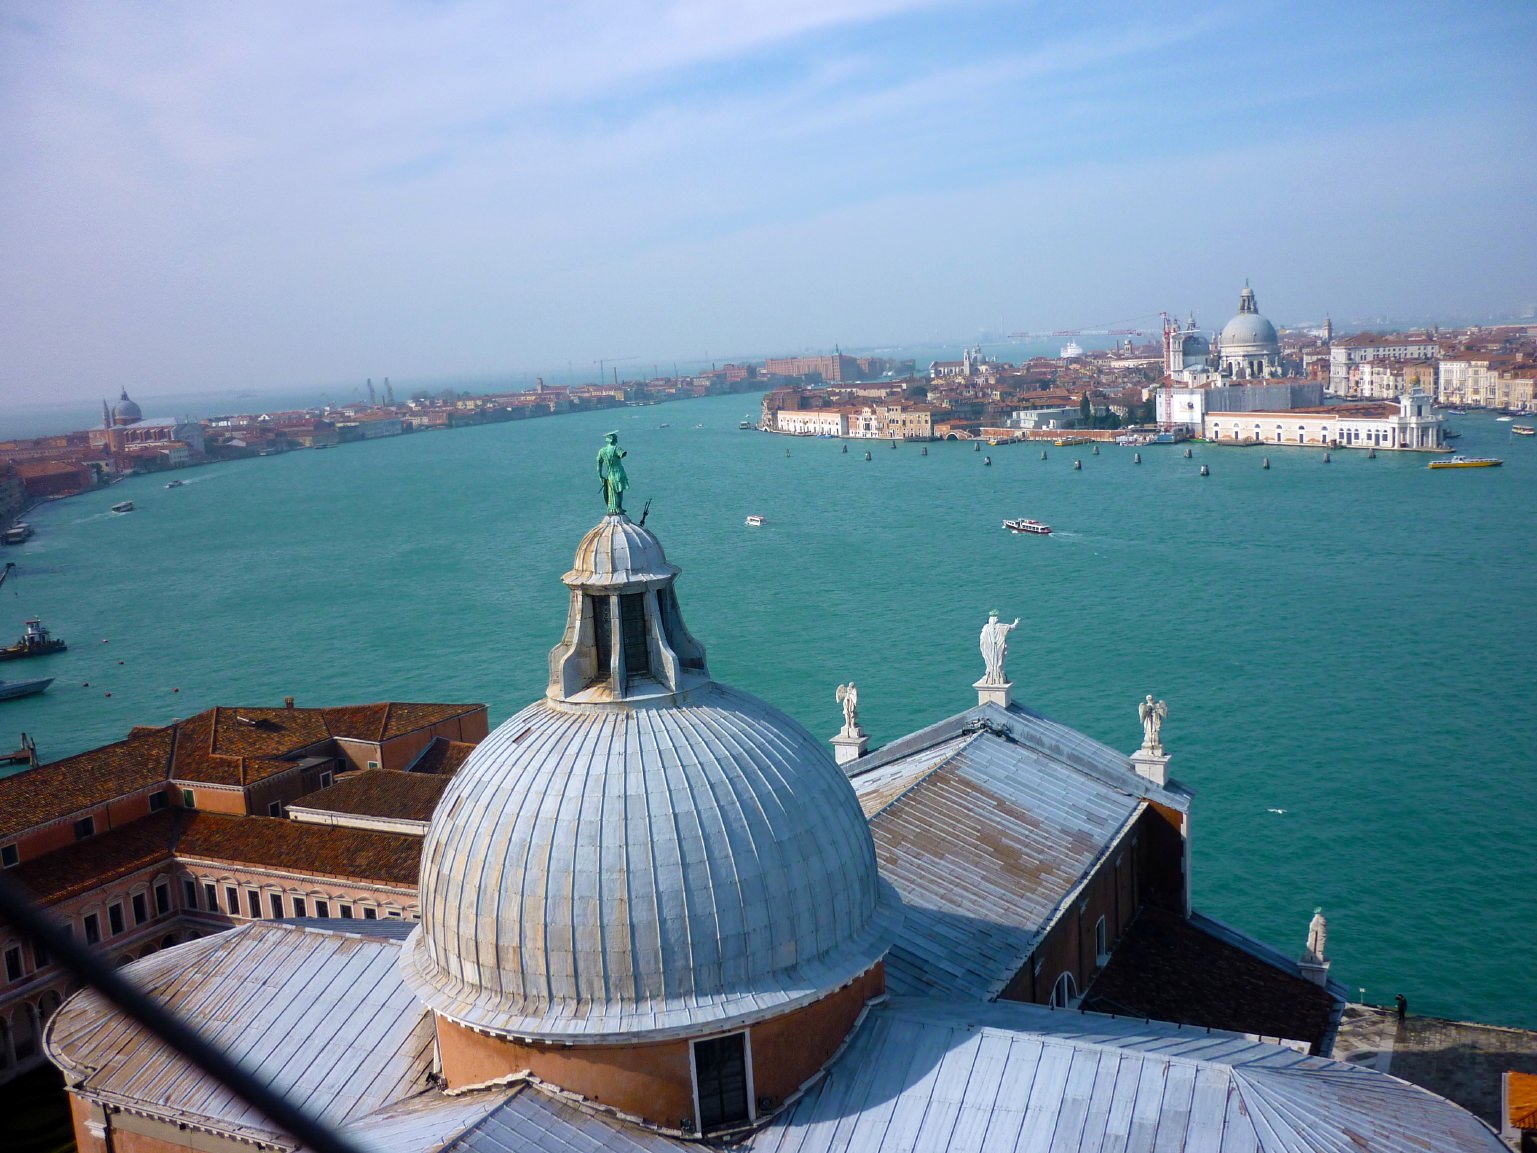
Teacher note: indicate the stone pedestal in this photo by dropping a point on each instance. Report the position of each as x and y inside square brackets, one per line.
[1315, 970]
[989, 693]
[1153, 766]
[850, 746]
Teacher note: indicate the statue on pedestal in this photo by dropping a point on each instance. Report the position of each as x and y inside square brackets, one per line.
[995, 646]
[1318, 935]
[848, 697]
[1152, 713]
[611, 473]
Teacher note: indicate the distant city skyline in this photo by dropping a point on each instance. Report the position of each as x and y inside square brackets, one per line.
[265, 197]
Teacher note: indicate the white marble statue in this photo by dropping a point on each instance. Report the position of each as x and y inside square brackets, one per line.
[995, 646]
[1318, 935]
[848, 697]
[1152, 713]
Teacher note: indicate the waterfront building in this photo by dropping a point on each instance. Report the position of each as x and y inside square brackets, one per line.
[1368, 347]
[179, 831]
[1478, 379]
[832, 369]
[654, 910]
[1410, 423]
[811, 421]
[893, 420]
[1390, 379]
[1248, 346]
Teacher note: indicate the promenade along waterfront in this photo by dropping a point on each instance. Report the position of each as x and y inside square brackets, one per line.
[1348, 643]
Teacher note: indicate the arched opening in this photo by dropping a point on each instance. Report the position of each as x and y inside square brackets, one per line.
[168, 940]
[1064, 992]
[24, 1032]
[48, 1004]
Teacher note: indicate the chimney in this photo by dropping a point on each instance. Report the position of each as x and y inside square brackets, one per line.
[288, 702]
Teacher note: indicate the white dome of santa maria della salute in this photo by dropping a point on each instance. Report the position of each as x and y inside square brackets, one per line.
[1249, 345]
[642, 853]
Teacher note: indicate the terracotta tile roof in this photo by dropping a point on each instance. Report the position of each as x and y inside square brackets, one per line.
[99, 860]
[1521, 1089]
[1170, 970]
[381, 722]
[380, 793]
[265, 732]
[49, 792]
[302, 847]
[442, 757]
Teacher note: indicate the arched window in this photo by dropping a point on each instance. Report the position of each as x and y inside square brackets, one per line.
[24, 1032]
[1064, 992]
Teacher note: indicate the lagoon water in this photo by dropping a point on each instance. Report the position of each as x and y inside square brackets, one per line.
[1346, 649]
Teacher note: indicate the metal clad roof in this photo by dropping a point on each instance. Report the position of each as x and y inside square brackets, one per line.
[533, 1120]
[987, 840]
[598, 872]
[320, 1016]
[923, 1074]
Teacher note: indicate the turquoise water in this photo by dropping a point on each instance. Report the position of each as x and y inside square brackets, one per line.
[1352, 642]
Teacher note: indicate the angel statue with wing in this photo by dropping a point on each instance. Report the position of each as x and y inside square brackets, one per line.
[1152, 713]
[848, 697]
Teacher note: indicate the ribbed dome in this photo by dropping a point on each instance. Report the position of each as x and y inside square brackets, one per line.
[126, 411]
[603, 873]
[1249, 330]
[617, 551]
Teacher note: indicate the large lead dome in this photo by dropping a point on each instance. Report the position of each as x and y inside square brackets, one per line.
[643, 853]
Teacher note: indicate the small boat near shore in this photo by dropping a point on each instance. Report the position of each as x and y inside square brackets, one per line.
[1523, 430]
[35, 642]
[1034, 527]
[1467, 462]
[18, 533]
[9, 690]
[123, 506]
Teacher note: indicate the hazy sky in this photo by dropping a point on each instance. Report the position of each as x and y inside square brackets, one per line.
[201, 196]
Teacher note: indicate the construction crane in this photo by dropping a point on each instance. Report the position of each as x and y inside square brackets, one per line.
[602, 360]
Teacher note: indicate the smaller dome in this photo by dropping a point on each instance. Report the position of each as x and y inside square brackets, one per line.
[126, 411]
[617, 552]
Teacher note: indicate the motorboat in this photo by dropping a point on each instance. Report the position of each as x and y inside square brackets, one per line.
[1069, 441]
[1030, 526]
[174, 483]
[12, 689]
[744, 425]
[123, 506]
[18, 533]
[1523, 430]
[1504, 419]
[757, 521]
[1467, 462]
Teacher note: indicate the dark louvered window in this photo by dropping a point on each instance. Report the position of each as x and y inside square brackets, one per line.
[602, 636]
[632, 622]
[720, 1067]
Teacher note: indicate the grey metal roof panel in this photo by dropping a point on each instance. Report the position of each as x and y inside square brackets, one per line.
[322, 1017]
[986, 841]
[1030, 729]
[922, 1074]
[535, 1121]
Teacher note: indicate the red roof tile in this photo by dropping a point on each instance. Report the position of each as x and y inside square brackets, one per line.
[380, 793]
[99, 860]
[52, 791]
[302, 847]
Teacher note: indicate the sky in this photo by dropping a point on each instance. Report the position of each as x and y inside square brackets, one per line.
[198, 197]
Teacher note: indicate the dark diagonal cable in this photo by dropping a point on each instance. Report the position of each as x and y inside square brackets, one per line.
[169, 1029]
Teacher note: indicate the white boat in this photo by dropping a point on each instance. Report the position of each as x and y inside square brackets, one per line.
[1504, 419]
[18, 533]
[757, 521]
[123, 506]
[12, 689]
[174, 483]
[1030, 526]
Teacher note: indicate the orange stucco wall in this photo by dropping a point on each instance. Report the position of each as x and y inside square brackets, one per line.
[653, 1081]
